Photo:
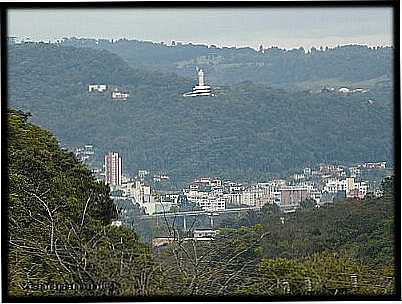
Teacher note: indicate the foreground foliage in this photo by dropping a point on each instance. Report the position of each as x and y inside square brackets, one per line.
[59, 222]
[59, 231]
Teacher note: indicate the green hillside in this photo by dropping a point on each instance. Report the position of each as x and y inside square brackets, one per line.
[59, 222]
[273, 66]
[314, 251]
[60, 232]
[247, 131]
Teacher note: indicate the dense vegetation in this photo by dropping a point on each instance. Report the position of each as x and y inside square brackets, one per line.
[59, 222]
[314, 251]
[248, 131]
[364, 228]
[59, 231]
[273, 66]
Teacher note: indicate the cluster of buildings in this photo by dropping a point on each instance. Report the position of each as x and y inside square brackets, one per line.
[200, 89]
[344, 91]
[116, 94]
[142, 194]
[323, 184]
[217, 195]
[160, 178]
[85, 154]
[135, 189]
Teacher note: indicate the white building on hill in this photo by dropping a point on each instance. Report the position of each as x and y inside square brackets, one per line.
[119, 95]
[97, 88]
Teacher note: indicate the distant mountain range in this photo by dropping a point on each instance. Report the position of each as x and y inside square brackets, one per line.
[272, 66]
[261, 125]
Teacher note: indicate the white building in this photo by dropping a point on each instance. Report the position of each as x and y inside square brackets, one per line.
[352, 189]
[232, 187]
[316, 195]
[335, 185]
[201, 89]
[172, 197]
[84, 154]
[161, 178]
[119, 95]
[232, 198]
[116, 223]
[97, 88]
[142, 173]
[278, 183]
[207, 200]
[141, 193]
[378, 193]
[378, 165]
[211, 204]
[359, 191]
[216, 183]
[363, 188]
[137, 190]
[201, 233]
[354, 171]
[307, 171]
[257, 195]
[344, 91]
[206, 181]
[158, 207]
[298, 176]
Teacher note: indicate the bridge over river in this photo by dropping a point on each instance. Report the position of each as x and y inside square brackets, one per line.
[208, 213]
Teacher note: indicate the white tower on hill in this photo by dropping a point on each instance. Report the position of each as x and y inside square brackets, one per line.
[201, 89]
[200, 78]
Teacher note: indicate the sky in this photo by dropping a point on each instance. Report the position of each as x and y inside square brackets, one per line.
[240, 27]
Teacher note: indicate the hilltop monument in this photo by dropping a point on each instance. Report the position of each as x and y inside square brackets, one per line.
[201, 89]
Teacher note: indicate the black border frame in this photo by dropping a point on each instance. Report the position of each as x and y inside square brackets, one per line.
[204, 4]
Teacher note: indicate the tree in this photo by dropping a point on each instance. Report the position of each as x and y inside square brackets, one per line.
[308, 204]
[59, 223]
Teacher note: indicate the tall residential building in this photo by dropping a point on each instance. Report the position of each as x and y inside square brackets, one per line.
[113, 169]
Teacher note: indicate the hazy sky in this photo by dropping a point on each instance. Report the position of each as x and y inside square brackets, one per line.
[283, 27]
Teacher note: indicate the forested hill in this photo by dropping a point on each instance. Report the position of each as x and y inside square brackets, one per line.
[66, 71]
[61, 241]
[273, 66]
[59, 220]
[246, 131]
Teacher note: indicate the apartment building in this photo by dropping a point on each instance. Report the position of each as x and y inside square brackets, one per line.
[113, 169]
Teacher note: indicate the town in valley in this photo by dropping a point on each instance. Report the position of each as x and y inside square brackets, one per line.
[213, 197]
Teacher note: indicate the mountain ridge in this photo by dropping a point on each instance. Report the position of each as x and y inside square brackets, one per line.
[273, 65]
[247, 131]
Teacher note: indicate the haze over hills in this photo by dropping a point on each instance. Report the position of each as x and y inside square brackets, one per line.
[258, 124]
[348, 64]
